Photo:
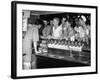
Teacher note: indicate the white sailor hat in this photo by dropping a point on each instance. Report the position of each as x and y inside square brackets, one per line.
[84, 18]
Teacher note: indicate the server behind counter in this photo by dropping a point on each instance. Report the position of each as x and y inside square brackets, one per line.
[31, 37]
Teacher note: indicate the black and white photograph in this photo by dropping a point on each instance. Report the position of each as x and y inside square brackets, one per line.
[53, 39]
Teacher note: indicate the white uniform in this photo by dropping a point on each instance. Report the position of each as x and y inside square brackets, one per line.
[81, 32]
[57, 32]
[31, 36]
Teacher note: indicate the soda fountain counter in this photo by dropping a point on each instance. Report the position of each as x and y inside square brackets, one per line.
[63, 53]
